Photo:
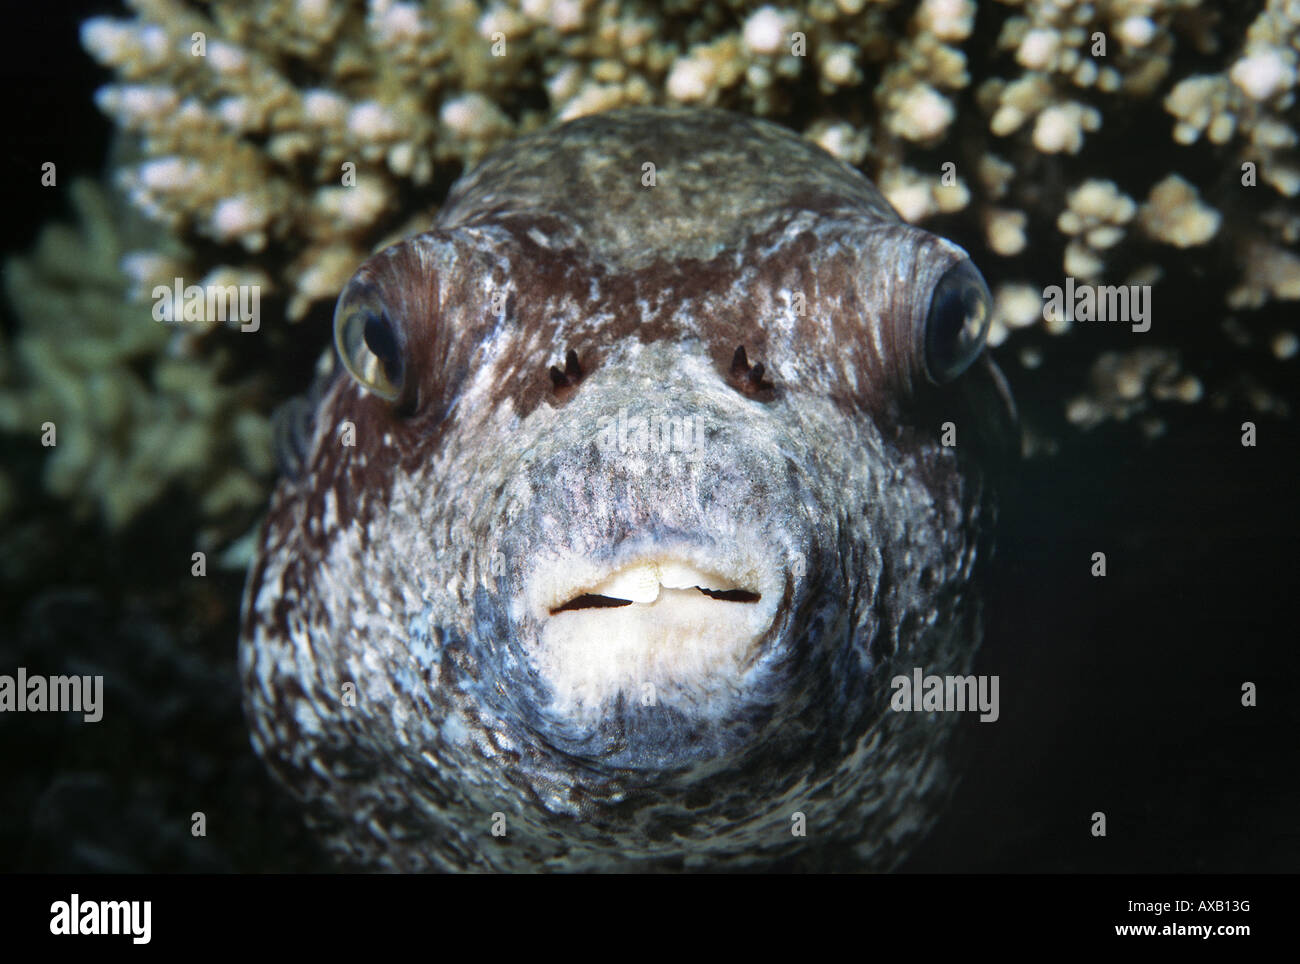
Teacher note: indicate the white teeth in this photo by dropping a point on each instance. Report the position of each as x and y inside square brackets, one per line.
[642, 583]
[678, 575]
[639, 584]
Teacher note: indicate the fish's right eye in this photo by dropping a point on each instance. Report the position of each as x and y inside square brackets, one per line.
[369, 342]
[956, 323]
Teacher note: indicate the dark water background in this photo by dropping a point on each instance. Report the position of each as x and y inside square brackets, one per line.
[1119, 694]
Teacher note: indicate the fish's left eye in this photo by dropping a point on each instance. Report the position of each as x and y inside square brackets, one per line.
[369, 342]
[958, 319]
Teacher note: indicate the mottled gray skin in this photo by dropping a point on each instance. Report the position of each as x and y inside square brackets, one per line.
[399, 564]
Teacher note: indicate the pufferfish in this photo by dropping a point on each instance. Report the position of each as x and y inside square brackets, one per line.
[645, 470]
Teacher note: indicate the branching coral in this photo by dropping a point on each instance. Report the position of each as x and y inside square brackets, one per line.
[129, 405]
[251, 115]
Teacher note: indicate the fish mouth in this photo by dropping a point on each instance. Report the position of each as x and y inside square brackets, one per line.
[653, 624]
[643, 582]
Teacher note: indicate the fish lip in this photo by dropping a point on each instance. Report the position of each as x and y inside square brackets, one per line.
[565, 576]
[678, 645]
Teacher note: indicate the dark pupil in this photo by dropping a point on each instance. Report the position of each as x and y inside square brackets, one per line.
[948, 321]
[380, 339]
